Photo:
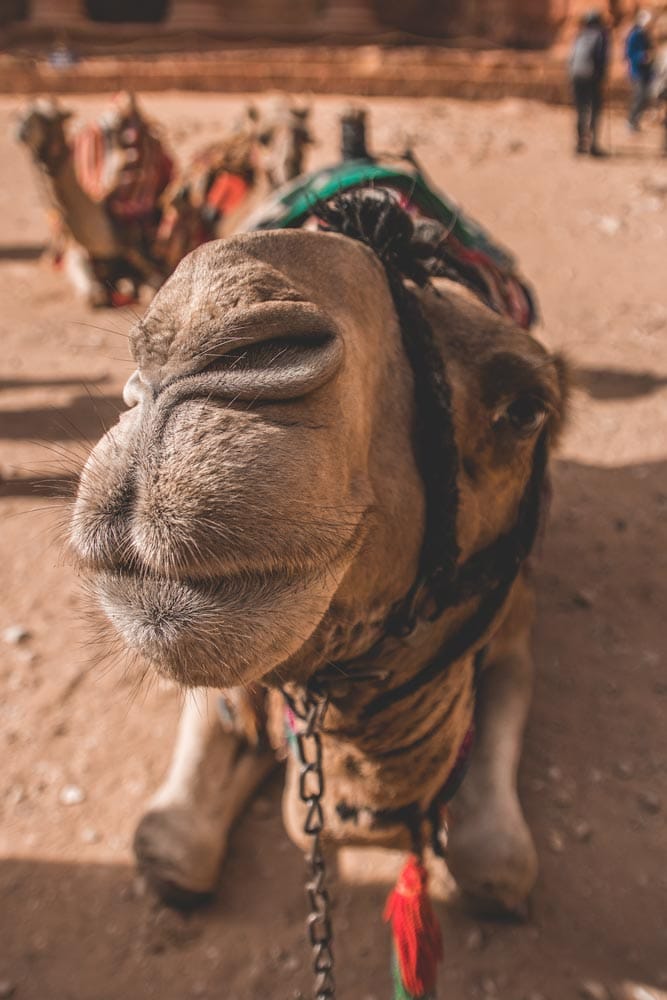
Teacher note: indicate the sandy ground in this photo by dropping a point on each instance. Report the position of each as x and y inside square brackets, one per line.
[74, 921]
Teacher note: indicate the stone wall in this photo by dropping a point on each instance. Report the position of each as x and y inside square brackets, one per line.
[528, 24]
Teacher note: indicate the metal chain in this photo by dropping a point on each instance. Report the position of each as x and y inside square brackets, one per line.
[311, 789]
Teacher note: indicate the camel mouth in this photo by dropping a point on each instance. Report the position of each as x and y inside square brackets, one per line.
[220, 631]
[200, 632]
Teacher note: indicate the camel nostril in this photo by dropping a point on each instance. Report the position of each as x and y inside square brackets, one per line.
[136, 389]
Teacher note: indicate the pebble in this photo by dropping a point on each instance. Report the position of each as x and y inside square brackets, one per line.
[609, 224]
[563, 798]
[71, 795]
[590, 989]
[15, 634]
[649, 802]
[624, 769]
[475, 939]
[555, 774]
[582, 599]
[90, 836]
[635, 991]
[582, 831]
[7, 989]
[556, 842]
[16, 795]
[489, 987]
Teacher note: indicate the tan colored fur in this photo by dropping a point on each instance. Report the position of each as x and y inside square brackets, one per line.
[259, 511]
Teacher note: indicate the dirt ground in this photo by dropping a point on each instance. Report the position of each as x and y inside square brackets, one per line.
[81, 749]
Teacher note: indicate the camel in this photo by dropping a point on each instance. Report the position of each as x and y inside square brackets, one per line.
[325, 488]
[229, 178]
[96, 257]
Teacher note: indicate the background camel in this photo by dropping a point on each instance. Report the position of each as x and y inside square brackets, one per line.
[229, 178]
[95, 253]
[279, 487]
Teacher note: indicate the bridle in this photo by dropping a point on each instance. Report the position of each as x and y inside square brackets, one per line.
[441, 583]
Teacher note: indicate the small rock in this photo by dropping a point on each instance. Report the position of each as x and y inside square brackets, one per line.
[582, 831]
[563, 798]
[489, 987]
[15, 634]
[635, 991]
[596, 775]
[582, 599]
[624, 769]
[649, 802]
[7, 989]
[16, 795]
[198, 990]
[556, 842]
[90, 836]
[71, 795]
[475, 939]
[555, 774]
[292, 963]
[590, 989]
[609, 224]
[535, 995]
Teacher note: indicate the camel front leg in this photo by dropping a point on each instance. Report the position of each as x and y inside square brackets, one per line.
[81, 275]
[490, 850]
[181, 840]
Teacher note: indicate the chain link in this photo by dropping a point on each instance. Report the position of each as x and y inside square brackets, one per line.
[311, 713]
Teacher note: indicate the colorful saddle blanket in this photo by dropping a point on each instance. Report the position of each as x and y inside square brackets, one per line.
[496, 276]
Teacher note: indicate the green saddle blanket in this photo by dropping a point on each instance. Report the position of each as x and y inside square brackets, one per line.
[497, 280]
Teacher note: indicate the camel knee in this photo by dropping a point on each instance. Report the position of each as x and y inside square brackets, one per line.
[181, 840]
[491, 855]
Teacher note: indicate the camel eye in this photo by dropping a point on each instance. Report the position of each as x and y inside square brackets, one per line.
[525, 415]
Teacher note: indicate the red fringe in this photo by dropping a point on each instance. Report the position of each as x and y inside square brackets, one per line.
[417, 936]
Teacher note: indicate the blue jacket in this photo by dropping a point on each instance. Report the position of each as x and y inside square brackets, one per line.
[637, 49]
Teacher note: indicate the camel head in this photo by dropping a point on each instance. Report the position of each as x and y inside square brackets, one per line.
[273, 480]
[41, 127]
[283, 136]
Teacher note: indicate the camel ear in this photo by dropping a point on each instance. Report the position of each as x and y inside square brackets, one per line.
[564, 375]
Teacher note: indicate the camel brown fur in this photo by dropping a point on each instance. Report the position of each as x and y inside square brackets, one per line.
[229, 178]
[95, 254]
[260, 510]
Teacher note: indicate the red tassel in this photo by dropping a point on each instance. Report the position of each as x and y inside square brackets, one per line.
[417, 937]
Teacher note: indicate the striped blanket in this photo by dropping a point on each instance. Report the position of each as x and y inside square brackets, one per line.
[123, 164]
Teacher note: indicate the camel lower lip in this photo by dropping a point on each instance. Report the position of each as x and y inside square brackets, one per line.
[216, 632]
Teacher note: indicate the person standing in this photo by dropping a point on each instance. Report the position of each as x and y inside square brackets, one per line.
[588, 69]
[639, 57]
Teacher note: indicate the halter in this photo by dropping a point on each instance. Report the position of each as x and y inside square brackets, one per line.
[376, 219]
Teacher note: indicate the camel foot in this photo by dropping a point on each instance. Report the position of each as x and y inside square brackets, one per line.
[180, 859]
[492, 857]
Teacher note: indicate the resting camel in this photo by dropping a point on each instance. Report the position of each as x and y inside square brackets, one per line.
[228, 179]
[94, 254]
[325, 487]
